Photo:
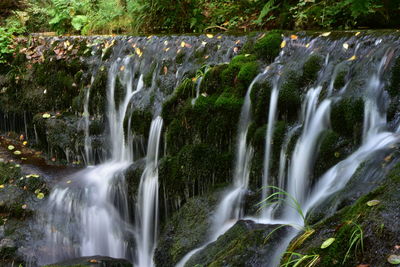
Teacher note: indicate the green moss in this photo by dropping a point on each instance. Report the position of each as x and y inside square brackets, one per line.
[258, 139]
[340, 80]
[148, 77]
[180, 57]
[8, 172]
[311, 69]
[394, 87]
[347, 118]
[260, 96]
[212, 81]
[289, 100]
[268, 47]
[140, 122]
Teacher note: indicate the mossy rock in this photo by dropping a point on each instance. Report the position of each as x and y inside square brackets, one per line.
[394, 86]
[268, 47]
[242, 245]
[289, 100]
[260, 96]
[186, 230]
[93, 261]
[311, 68]
[378, 224]
[347, 118]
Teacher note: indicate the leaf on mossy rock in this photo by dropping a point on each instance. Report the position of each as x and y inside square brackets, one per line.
[394, 259]
[1, 185]
[32, 176]
[46, 116]
[352, 58]
[326, 34]
[40, 196]
[25, 143]
[11, 147]
[210, 36]
[17, 152]
[373, 202]
[24, 206]
[283, 44]
[328, 242]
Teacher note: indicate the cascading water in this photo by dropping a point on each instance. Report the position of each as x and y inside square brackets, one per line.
[147, 206]
[86, 200]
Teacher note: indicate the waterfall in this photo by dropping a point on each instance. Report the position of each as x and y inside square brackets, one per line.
[86, 201]
[230, 208]
[147, 206]
[268, 144]
[86, 115]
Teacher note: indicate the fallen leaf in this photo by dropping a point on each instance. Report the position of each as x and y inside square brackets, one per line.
[352, 58]
[337, 154]
[308, 45]
[1, 185]
[138, 51]
[346, 46]
[283, 44]
[237, 42]
[24, 206]
[25, 143]
[357, 33]
[328, 242]
[326, 34]
[394, 259]
[122, 68]
[373, 202]
[188, 45]
[69, 181]
[293, 37]
[388, 158]
[203, 43]
[165, 42]
[17, 152]
[10, 147]
[40, 196]
[165, 70]
[93, 261]
[219, 37]
[183, 44]
[46, 116]
[210, 36]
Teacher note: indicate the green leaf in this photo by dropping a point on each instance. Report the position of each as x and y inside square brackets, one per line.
[79, 21]
[373, 202]
[394, 259]
[328, 242]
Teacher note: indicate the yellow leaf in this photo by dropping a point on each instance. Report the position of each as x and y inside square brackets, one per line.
[17, 152]
[149, 37]
[283, 44]
[138, 51]
[40, 196]
[328, 242]
[165, 70]
[308, 45]
[346, 46]
[46, 116]
[373, 202]
[165, 42]
[69, 181]
[10, 147]
[24, 206]
[1, 185]
[293, 37]
[122, 68]
[203, 43]
[357, 33]
[206, 57]
[183, 44]
[219, 37]
[352, 58]
[166, 49]
[219, 47]
[246, 55]
[25, 143]
[237, 42]
[210, 36]
[326, 34]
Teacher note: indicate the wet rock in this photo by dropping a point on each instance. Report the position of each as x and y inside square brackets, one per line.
[187, 229]
[242, 245]
[94, 261]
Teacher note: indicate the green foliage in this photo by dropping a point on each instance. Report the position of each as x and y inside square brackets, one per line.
[5, 42]
[297, 259]
[347, 118]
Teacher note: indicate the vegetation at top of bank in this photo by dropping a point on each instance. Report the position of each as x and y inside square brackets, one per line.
[159, 16]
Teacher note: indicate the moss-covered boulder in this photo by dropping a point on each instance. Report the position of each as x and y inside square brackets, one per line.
[93, 261]
[268, 46]
[242, 245]
[186, 230]
[365, 228]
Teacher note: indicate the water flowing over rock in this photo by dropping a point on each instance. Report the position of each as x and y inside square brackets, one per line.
[262, 143]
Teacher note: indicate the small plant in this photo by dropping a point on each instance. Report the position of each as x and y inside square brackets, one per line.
[297, 259]
[280, 196]
[355, 242]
